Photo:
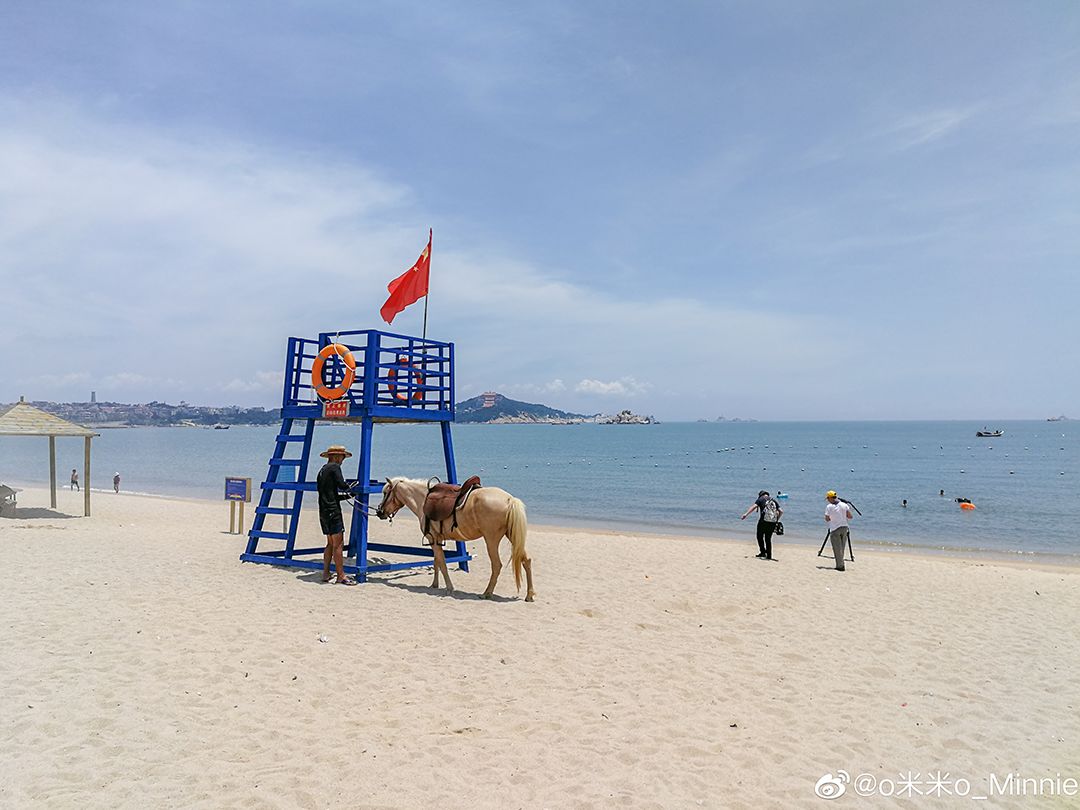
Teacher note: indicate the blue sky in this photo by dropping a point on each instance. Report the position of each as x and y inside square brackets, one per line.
[778, 210]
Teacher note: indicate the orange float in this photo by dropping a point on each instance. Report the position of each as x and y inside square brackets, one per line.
[321, 388]
[392, 376]
[968, 506]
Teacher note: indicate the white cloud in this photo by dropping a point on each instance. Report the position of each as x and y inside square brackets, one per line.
[924, 127]
[199, 257]
[260, 381]
[627, 386]
[131, 380]
[55, 380]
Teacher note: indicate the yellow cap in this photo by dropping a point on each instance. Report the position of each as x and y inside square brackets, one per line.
[830, 494]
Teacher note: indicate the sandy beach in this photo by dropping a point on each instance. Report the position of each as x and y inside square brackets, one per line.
[144, 666]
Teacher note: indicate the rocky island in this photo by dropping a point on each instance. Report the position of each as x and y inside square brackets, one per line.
[626, 418]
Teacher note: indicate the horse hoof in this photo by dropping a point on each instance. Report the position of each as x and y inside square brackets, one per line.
[530, 598]
[485, 596]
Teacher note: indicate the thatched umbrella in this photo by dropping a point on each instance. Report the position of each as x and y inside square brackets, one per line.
[26, 420]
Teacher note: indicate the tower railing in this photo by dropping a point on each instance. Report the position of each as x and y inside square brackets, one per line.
[396, 376]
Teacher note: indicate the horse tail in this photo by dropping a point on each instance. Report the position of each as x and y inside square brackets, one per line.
[517, 526]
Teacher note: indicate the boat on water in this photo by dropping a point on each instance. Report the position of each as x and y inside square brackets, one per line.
[989, 434]
[221, 427]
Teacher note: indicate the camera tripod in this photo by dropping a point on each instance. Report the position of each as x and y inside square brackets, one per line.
[850, 558]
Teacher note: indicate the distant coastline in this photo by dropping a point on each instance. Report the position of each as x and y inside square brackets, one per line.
[488, 409]
[108, 415]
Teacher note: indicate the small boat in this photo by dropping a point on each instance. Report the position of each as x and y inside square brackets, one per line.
[989, 434]
[221, 427]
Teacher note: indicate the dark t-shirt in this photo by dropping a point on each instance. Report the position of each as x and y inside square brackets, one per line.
[330, 483]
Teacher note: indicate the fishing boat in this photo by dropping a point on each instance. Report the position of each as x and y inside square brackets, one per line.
[989, 434]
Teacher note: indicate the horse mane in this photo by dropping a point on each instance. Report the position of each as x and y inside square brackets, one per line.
[408, 480]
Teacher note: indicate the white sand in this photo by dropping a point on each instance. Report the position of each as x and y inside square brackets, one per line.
[144, 666]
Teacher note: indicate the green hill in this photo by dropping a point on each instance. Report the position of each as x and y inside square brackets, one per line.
[492, 407]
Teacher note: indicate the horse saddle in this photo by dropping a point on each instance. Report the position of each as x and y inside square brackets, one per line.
[443, 500]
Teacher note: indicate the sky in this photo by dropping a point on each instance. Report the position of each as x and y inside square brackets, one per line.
[771, 210]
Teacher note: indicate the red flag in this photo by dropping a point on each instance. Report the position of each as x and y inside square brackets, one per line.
[409, 287]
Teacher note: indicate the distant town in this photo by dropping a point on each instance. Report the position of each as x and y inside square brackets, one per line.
[156, 414]
[488, 408]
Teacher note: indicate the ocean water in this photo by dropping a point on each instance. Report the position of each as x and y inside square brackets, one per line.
[691, 478]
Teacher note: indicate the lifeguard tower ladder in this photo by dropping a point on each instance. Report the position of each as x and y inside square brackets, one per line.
[398, 378]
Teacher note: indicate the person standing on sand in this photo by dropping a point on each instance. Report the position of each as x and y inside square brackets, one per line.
[769, 512]
[837, 515]
[75, 480]
[332, 491]
[116, 483]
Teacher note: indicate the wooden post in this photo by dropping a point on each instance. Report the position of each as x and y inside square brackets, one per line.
[232, 516]
[52, 471]
[240, 528]
[86, 477]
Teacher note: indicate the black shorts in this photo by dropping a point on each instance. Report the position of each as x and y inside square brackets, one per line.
[332, 523]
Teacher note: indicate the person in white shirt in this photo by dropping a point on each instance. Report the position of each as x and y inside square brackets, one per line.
[837, 515]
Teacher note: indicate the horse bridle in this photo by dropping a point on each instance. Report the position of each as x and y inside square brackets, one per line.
[380, 512]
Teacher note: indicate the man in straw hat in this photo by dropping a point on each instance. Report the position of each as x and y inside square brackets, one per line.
[332, 491]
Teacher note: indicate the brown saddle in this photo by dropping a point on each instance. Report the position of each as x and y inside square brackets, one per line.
[443, 500]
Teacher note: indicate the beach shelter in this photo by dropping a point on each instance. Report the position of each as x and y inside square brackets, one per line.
[26, 420]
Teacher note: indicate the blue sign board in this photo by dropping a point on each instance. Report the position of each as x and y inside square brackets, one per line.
[238, 489]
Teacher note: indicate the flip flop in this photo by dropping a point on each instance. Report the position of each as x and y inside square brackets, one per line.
[345, 582]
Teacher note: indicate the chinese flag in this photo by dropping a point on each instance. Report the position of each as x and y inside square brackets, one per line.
[409, 287]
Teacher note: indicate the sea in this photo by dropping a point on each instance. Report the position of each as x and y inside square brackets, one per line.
[672, 478]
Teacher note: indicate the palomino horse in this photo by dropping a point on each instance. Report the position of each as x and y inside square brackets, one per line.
[488, 512]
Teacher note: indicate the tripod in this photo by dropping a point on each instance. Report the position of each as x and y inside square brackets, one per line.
[826, 540]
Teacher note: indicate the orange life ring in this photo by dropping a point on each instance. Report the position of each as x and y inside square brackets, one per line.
[321, 388]
[416, 375]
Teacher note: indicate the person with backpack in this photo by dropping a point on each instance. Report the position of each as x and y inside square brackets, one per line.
[769, 514]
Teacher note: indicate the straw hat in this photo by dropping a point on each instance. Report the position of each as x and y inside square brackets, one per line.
[335, 450]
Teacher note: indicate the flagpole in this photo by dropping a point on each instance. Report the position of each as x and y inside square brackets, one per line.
[428, 293]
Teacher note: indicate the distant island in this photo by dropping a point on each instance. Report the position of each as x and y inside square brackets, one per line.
[733, 419]
[1062, 418]
[492, 408]
[626, 418]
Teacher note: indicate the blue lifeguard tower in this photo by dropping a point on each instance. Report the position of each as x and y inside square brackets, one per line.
[364, 377]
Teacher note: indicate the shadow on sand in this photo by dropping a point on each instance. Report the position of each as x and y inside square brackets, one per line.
[36, 512]
[395, 580]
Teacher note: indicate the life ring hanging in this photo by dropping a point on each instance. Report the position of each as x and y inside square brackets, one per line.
[321, 388]
[417, 376]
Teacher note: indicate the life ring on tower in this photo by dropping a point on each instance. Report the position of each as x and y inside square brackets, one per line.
[392, 376]
[317, 381]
